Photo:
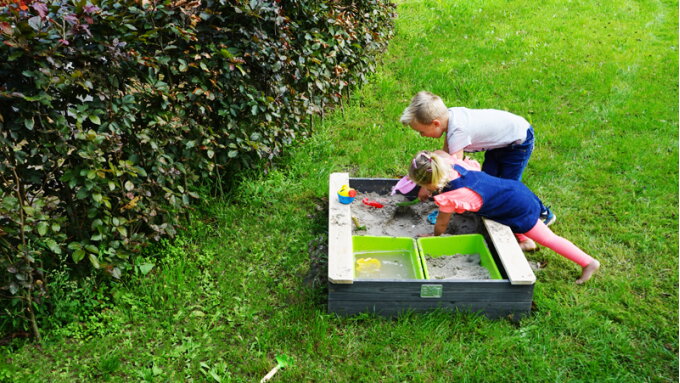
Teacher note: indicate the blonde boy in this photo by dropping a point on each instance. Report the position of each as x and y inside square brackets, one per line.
[507, 139]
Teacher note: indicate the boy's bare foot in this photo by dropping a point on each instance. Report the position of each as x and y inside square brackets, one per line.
[528, 245]
[588, 271]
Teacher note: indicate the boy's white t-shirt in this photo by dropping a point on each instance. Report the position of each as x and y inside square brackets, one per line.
[476, 130]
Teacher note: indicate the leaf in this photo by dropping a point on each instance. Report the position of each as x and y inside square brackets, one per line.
[145, 268]
[214, 375]
[28, 123]
[75, 246]
[53, 246]
[182, 65]
[78, 255]
[141, 171]
[94, 260]
[6, 28]
[95, 119]
[131, 27]
[97, 197]
[35, 22]
[122, 230]
[226, 53]
[240, 68]
[129, 185]
[42, 228]
[116, 273]
[10, 203]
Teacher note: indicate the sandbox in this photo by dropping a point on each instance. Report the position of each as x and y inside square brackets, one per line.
[508, 293]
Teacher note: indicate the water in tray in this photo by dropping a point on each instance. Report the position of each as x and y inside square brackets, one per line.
[392, 264]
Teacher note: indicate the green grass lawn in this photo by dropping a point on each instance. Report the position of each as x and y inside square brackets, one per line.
[599, 82]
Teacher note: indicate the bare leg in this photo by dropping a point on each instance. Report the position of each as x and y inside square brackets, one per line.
[544, 236]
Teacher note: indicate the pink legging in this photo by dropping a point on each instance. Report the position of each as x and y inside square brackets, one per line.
[544, 236]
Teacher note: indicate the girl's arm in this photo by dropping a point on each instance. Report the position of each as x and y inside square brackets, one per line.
[442, 223]
[424, 194]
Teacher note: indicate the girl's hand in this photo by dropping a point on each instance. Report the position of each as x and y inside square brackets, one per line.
[424, 194]
[425, 235]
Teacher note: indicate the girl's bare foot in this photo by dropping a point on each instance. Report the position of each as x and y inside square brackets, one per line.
[588, 271]
[528, 245]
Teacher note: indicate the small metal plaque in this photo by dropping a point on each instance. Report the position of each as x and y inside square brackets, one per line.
[431, 291]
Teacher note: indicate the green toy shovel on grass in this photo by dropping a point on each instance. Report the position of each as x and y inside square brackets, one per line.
[282, 362]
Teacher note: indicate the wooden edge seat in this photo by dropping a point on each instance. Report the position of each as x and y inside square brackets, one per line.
[512, 257]
[340, 256]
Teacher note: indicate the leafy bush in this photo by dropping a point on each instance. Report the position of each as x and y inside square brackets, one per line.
[111, 114]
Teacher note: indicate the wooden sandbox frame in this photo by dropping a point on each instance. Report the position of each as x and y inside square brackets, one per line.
[507, 297]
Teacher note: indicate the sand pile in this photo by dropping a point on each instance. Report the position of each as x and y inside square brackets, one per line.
[458, 266]
[402, 221]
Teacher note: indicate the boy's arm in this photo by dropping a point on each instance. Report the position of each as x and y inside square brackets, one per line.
[442, 223]
[458, 155]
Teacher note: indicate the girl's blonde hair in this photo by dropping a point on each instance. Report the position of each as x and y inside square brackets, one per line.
[425, 107]
[428, 168]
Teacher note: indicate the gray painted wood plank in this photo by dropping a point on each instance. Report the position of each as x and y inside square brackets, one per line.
[373, 185]
[411, 291]
[525, 296]
[495, 310]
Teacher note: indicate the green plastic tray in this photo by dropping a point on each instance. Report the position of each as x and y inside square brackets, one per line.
[458, 244]
[365, 243]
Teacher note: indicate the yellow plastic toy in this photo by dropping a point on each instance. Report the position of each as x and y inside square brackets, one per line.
[346, 194]
[368, 265]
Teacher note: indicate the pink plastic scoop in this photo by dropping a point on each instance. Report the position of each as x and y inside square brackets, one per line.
[404, 186]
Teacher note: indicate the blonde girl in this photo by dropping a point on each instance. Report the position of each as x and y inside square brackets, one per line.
[463, 187]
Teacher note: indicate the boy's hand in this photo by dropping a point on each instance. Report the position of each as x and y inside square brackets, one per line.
[424, 194]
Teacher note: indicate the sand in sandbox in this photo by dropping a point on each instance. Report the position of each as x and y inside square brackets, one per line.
[402, 221]
[459, 266]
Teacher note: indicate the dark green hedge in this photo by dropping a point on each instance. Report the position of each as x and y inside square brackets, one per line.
[111, 112]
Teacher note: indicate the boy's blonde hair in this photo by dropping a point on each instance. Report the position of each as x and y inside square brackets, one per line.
[425, 107]
[428, 168]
